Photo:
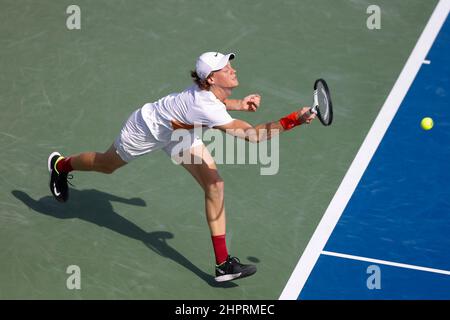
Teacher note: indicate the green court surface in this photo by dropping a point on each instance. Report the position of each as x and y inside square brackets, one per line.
[141, 233]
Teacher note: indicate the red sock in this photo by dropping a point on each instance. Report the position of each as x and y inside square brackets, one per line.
[64, 165]
[220, 248]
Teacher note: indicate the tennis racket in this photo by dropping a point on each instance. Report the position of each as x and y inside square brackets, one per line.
[322, 105]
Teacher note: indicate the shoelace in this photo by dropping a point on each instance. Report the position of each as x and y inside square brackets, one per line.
[70, 177]
[235, 259]
[230, 258]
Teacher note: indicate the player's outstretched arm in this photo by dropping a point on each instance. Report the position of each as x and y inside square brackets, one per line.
[265, 131]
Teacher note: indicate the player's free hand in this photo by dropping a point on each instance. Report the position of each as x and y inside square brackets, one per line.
[251, 102]
[305, 116]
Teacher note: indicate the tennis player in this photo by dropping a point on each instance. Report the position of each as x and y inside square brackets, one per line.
[150, 128]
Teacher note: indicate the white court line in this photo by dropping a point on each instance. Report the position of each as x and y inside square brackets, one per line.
[426, 61]
[389, 263]
[351, 179]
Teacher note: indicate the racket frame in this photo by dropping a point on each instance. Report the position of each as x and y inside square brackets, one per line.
[314, 108]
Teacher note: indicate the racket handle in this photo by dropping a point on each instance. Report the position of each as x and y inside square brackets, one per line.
[313, 110]
[309, 113]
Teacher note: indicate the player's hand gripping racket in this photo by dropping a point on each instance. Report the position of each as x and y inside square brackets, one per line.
[322, 105]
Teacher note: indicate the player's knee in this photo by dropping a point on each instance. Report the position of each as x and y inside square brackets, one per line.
[107, 164]
[215, 187]
[108, 169]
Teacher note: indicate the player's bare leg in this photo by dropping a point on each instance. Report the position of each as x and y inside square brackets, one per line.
[212, 184]
[59, 167]
[106, 162]
[206, 174]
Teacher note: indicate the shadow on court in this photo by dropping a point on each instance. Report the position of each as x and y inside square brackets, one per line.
[95, 206]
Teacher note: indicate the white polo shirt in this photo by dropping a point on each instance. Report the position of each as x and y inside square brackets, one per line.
[183, 110]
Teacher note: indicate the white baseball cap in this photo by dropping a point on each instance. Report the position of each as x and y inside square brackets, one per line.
[211, 61]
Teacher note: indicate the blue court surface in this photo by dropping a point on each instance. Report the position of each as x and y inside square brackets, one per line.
[391, 239]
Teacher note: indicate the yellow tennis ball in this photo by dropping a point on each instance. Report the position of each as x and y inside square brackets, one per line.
[426, 123]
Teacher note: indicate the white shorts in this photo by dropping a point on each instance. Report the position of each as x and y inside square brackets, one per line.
[135, 139]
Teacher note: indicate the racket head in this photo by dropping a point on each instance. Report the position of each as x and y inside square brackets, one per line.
[322, 102]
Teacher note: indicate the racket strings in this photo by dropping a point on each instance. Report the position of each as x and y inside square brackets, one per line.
[323, 104]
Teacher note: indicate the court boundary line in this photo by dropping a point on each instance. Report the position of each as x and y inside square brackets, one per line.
[385, 262]
[365, 153]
